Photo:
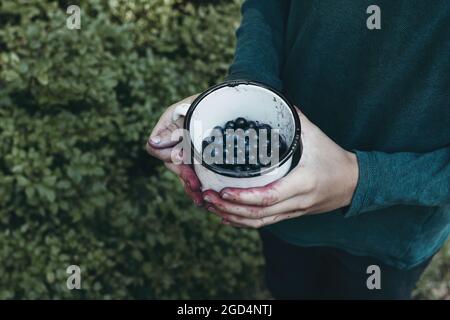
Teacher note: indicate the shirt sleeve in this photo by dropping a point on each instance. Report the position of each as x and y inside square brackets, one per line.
[260, 39]
[387, 179]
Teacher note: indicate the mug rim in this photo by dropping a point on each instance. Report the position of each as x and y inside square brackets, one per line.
[296, 141]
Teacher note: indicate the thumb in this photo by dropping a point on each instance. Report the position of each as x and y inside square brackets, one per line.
[168, 136]
[306, 124]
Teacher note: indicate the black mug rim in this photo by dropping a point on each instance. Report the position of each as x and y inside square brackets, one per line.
[296, 141]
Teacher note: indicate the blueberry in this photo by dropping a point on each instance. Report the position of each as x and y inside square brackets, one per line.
[230, 125]
[218, 129]
[240, 123]
[251, 125]
[251, 150]
[264, 126]
[251, 135]
[209, 139]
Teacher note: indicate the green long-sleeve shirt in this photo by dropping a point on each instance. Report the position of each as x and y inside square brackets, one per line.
[384, 94]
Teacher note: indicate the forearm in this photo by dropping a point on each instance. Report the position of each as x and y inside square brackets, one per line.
[260, 39]
[401, 178]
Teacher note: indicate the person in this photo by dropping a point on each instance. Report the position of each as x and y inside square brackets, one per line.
[368, 205]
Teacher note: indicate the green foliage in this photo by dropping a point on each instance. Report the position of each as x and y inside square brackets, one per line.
[435, 283]
[76, 185]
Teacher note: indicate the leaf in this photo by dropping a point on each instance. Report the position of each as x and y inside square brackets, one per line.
[63, 184]
[22, 181]
[50, 277]
[29, 191]
[42, 78]
[46, 192]
[49, 180]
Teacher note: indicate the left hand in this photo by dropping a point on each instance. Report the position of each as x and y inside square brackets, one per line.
[324, 180]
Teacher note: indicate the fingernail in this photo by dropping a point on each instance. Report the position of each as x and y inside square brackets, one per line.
[226, 196]
[211, 209]
[156, 139]
[207, 199]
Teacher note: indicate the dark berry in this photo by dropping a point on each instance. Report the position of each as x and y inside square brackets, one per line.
[209, 139]
[251, 125]
[218, 129]
[247, 133]
[264, 126]
[244, 144]
[230, 125]
[240, 123]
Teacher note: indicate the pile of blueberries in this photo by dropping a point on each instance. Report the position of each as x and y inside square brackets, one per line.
[249, 158]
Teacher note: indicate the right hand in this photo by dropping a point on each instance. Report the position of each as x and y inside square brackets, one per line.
[161, 144]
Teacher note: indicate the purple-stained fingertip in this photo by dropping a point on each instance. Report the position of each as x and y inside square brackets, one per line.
[226, 196]
[155, 140]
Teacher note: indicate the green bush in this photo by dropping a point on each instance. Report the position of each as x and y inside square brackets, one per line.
[435, 283]
[76, 185]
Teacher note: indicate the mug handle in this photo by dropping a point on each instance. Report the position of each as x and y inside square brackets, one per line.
[180, 111]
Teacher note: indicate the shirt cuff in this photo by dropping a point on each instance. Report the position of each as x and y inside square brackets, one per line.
[364, 187]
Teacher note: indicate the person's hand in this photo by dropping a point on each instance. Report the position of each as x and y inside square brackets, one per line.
[324, 180]
[162, 143]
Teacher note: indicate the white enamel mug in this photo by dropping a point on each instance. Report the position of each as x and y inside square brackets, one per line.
[228, 101]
